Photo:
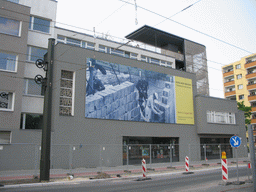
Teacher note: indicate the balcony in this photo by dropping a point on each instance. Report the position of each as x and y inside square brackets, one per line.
[228, 73]
[250, 65]
[251, 86]
[253, 109]
[251, 75]
[253, 121]
[229, 83]
[231, 93]
[252, 98]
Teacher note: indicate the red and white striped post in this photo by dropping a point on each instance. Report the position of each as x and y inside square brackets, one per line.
[187, 164]
[144, 169]
[224, 163]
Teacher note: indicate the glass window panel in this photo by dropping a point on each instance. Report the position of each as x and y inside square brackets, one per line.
[90, 46]
[33, 88]
[127, 54]
[5, 137]
[83, 44]
[7, 61]
[66, 93]
[60, 37]
[73, 41]
[117, 52]
[32, 121]
[6, 100]
[156, 61]
[102, 48]
[9, 26]
[67, 75]
[41, 25]
[36, 53]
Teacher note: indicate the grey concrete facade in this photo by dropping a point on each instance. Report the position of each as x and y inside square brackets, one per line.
[78, 129]
[11, 81]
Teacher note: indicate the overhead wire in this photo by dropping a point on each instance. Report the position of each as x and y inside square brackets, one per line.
[122, 38]
[110, 14]
[189, 27]
[178, 12]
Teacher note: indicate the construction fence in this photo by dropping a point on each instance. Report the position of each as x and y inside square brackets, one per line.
[75, 156]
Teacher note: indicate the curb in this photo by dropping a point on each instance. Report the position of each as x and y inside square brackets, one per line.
[71, 182]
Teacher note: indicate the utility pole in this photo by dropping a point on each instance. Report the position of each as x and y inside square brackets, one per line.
[47, 64]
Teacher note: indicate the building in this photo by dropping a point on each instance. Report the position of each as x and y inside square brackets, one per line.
[239, 83]
[119, 101]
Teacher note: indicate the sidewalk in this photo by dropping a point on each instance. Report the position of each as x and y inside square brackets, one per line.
[58, 176]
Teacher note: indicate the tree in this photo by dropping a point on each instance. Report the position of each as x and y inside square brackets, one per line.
[247, 112]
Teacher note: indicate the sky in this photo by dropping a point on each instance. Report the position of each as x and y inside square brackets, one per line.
[216, 24]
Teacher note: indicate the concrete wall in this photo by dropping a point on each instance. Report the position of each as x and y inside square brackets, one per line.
[78, 129]
[204, 103]
[12, 81]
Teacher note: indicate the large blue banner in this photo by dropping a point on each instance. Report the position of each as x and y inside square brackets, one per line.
[120, 92]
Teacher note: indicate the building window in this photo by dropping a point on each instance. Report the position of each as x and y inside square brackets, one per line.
[72, 41]
[220, 117]
[230, 89]
[239, 76]
[34, 53]
[238, 66]
[117, 52]
[155, 61]
[251, 59]
[134, 56]
[102, 48]
[31, 87]
[5, 137]
[9, 26]
[31, 121]
[143, 58]
[6, 100]
[60, 37]
[8, 62]
[67, 93]
[240, 86]
[241, 97]
[90, 45]
[39, 24]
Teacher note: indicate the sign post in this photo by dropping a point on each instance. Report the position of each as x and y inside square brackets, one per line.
[235, 142]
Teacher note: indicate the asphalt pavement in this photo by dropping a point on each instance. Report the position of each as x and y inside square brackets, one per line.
[29, 178]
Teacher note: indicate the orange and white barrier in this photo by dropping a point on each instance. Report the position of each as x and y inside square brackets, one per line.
[187, 164]
[224, 164]
[144, 169]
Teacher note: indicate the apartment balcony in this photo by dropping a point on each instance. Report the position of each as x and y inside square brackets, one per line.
[228, 73]
[253, 109]
[229, 83]
[253, 121]
[251, 86]
[252, 98]
[250, 65]
[250, 76]
[231, 93]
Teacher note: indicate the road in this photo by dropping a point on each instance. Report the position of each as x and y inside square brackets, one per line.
[199, 181]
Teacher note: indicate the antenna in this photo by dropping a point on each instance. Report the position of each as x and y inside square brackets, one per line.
[136, 20]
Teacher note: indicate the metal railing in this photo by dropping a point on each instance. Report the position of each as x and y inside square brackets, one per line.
[75, 156]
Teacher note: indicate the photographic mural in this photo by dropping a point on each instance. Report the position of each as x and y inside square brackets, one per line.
[119, 92]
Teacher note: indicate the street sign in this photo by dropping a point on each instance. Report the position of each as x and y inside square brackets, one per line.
[235, 141]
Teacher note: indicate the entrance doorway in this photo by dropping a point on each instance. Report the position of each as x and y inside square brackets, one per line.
[152, 149]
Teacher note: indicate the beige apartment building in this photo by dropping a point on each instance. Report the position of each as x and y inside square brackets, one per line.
[239, 79]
